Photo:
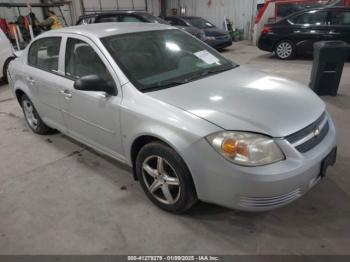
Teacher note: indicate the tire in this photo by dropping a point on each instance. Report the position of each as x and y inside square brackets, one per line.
[32, 117]
[170, 177]
[4, 69]
[285, 50]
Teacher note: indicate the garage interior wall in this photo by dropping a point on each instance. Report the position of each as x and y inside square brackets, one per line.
[74, 10]
[153, 6]
[241, 12]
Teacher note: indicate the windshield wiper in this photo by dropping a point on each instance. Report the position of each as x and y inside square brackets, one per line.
[170, 83]
[164, 84]
[211, 72]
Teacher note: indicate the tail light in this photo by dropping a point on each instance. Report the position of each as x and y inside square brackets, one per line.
[265, 30]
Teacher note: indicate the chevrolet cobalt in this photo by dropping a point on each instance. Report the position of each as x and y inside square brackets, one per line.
[191, 123]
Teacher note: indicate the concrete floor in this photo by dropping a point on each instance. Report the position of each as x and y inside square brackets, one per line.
[59, 197]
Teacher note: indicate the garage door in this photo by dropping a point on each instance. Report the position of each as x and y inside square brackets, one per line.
[107, 5]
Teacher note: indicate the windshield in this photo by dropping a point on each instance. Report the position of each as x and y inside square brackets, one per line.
[200, 23]
[153, 19]
[155, 60]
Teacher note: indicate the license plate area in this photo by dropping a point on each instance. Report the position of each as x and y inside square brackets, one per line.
[329, 160]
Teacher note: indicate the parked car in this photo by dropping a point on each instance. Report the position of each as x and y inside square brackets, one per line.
[119, 16]
[202, 29]
[191, 123]
[6, 55]
[297, 33]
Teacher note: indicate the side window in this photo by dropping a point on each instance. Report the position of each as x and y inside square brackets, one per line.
[44, 53]
[310, 18]
[81, 60]
[340, 18]
[107, 19]
[129, 18]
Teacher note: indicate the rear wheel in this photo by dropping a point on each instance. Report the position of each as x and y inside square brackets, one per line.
[165, 178]
[285, 50]
[32, 117]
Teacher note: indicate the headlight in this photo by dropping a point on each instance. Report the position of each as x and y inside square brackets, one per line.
[246, 149]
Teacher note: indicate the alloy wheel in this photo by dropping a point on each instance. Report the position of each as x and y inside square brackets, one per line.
[284, 50]
[30, 115]
[161, 180]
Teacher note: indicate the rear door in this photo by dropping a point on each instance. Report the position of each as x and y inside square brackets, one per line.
[43, 79]
[309, 28]
[339, 21]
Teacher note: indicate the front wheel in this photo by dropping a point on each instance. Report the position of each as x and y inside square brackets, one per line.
[285, 50]
[165, 178]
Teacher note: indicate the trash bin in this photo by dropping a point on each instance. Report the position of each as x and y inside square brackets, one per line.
[329, 59]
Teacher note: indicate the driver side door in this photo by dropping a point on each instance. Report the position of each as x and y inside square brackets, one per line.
[91, 117]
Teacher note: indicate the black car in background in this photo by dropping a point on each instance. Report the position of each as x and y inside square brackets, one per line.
[296, 34]
[202, 29]
[119, 16]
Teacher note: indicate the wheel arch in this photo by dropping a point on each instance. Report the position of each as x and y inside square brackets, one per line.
[145, 139]
[5, 67]
[283, 39]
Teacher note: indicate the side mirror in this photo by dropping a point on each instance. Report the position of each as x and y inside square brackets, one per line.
[94, 83]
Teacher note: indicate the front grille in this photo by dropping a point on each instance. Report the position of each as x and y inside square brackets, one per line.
[309, 137]
[222, 37]
[266, 202]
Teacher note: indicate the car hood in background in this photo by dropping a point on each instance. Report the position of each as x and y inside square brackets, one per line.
[215, 32]
[247, 100]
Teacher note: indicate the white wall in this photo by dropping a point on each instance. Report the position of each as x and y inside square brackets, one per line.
[240, 12]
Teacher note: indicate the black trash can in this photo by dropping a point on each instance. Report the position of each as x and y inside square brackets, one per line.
[329, 59]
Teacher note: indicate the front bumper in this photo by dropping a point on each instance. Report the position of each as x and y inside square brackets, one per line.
[220, 43]
[257, 188]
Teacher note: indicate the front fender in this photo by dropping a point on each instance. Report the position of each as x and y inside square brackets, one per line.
[143, 115]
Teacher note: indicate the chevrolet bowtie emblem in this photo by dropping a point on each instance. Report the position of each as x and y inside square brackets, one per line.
[317, 132]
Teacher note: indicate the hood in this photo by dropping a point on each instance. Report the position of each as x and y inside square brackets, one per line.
[243, 99]
[214, 32]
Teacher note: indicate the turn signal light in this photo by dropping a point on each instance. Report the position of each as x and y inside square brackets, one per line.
[232, 148]
[265, 30]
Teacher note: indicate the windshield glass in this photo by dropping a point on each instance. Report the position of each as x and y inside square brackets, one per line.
[200, 23]
[153, 19]
[155, 60]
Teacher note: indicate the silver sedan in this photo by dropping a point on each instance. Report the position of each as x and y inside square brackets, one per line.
[192, 124]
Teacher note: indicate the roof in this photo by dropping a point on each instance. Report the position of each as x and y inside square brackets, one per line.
[183, 17]
[325, 8]
[108, 29]
[101, 13]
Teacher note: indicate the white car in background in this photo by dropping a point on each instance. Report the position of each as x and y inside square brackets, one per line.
[6, 55]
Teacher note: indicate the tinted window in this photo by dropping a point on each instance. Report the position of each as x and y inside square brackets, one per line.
[164, 57]
[130, 18]
[310, 18]
[176, 22]
[285, 9]
[340, 18]
[152, 18]
[81, 60]
[107, 19]
[200, 23]
[44, 53]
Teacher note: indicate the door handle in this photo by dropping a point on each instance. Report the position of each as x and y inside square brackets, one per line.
[30, 80]
[66, 94]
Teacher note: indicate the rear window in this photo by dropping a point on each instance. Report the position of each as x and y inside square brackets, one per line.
[340, 18]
